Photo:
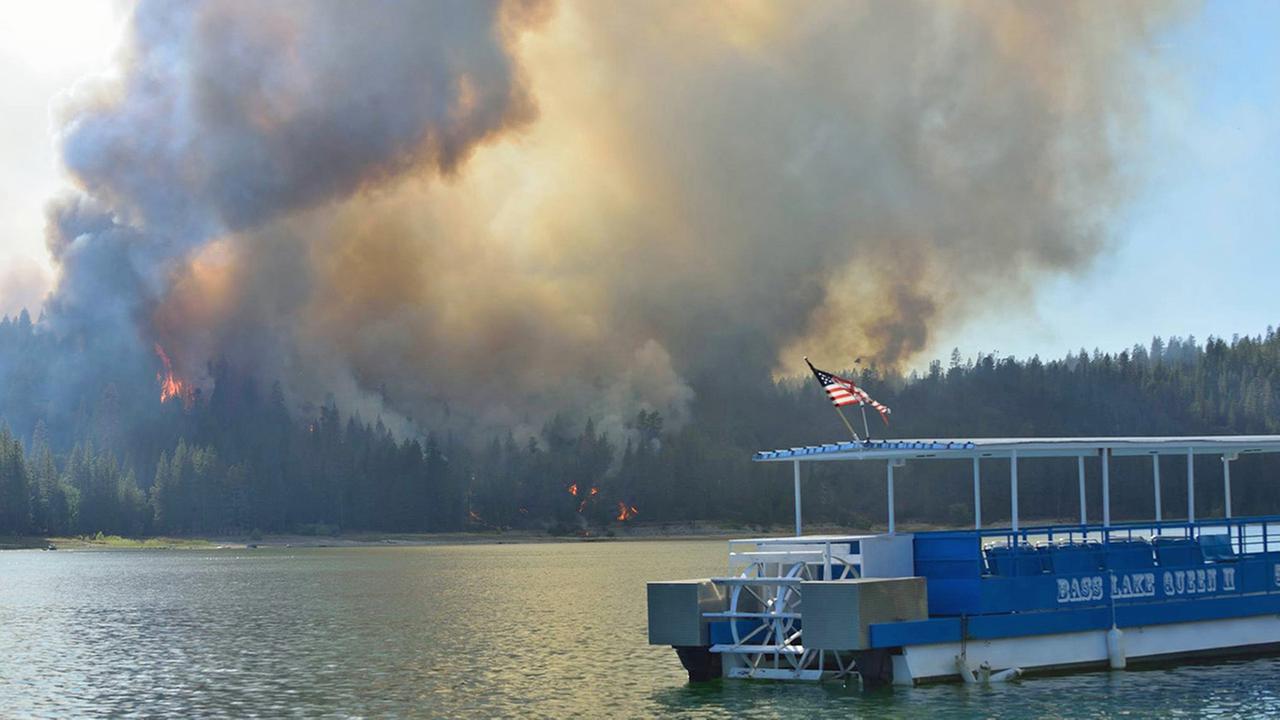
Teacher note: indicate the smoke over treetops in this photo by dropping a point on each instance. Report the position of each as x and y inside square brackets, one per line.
[486, 212]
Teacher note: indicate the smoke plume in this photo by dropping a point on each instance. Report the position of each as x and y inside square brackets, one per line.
[479, 213]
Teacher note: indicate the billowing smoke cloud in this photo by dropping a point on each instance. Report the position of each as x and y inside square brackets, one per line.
[482, 213]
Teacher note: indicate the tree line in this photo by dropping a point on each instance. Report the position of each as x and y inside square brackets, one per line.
[240, 459]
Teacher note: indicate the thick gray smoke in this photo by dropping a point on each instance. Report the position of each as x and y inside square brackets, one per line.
[481, 213]
[229, 115]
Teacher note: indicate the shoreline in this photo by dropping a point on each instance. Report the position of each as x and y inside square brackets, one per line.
[661, 532]
[697, 530]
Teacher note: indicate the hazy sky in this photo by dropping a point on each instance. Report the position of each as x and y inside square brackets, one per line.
[1195, 253]
[44, 48]
[1198, 252]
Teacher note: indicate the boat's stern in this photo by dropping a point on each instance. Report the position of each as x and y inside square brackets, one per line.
[797, 608]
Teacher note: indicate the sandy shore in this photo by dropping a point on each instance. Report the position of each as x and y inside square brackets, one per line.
[662, 531]
[698, 530]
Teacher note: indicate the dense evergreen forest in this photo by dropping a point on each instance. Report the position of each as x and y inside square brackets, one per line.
[240, 459]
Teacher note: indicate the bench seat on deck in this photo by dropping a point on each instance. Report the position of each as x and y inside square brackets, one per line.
[1015, 561]
[1129, 555]
[1217, 548]
[1178, 551]
[1076, 558]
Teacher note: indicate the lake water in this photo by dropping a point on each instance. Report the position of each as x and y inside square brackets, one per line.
[549, 630]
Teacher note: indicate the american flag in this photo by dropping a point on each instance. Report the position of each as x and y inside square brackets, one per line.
[844, 392]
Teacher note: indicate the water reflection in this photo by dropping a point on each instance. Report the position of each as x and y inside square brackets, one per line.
[465, 631]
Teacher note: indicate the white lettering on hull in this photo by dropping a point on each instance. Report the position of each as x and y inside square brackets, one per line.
[1079, 589]
[1131, 585]
[1200, 581]
[1174, 583]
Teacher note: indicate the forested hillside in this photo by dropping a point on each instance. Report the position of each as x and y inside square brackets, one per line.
[240, 458]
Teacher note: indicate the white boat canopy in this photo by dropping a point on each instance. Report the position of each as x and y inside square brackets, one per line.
[896, 453]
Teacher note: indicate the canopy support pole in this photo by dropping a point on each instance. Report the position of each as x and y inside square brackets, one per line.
[1226, 482]
[1191, 486]
[1155, 483]
[1084, 512]
[977, 494]
[1013, 488]
[1106, 487]
[796, 465]
[889, 465]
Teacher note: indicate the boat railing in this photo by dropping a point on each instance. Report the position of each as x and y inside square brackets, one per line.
[996, 570]
[773, 556]
[1246, 535]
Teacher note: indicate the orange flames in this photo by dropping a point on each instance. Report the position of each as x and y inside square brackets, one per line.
[474, 517]
[626, 512]
[171, 386]
[590, 493]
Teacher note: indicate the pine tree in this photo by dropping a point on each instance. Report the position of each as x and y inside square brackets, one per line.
[15, 498]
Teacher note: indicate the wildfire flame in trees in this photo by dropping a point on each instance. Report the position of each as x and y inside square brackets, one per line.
[589, 494]
[474, 517]
[171, 386]
[626, 512]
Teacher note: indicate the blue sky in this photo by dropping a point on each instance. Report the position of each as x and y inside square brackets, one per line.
[1198, 250]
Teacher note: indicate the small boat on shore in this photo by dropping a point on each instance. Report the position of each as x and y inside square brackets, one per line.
[985, 604]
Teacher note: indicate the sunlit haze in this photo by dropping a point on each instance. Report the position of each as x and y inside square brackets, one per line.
[45, 47]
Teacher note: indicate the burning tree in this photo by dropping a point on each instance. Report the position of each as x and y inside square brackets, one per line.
[172, 387]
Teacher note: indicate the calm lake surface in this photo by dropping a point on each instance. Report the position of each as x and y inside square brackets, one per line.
[554, 630]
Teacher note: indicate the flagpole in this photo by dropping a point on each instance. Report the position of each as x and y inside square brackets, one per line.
[865, 430]
[846, 424]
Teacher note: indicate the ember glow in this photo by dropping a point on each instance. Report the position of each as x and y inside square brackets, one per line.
[626, 512]
[171, 386]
